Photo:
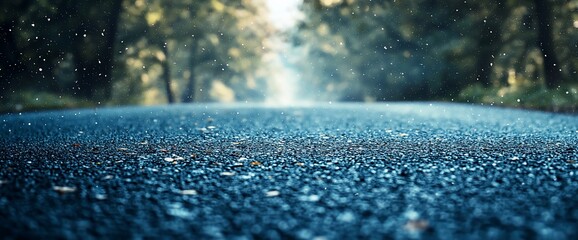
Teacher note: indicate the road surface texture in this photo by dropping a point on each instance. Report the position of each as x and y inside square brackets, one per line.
[330, 171]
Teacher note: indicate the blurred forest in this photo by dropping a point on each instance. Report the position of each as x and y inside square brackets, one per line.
[64, 53]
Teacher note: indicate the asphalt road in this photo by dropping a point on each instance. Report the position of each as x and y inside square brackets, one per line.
[329, 171]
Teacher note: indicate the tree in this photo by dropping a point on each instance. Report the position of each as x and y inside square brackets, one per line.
[93, 47]
[11, 64]
[488, 22]
[384, 50]
[551, 65]
[199, 42]
[41, 35]
[420, 49]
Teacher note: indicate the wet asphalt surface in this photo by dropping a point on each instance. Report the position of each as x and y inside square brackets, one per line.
[330, 171]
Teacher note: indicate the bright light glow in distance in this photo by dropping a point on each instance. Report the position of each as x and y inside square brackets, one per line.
[283, 80]
[284, 14]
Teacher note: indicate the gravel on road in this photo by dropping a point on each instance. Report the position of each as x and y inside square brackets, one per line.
[325, 171]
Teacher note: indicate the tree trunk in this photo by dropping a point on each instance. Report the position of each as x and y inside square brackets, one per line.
[94, 59]
[490, 42]
[488, 45]
[189, 93]
[11, 65]
[483, 67]
[551, 66]
[167, 75]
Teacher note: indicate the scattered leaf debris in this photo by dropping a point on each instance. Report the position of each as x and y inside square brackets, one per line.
[416, 225]
[310, 198]
[189, 192]
[237, 165]
[64, 189]
[255, 163]
[100, 196]
[173, 158]
[273, 193]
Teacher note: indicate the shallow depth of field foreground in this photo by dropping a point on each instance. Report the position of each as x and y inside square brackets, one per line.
[328, 171]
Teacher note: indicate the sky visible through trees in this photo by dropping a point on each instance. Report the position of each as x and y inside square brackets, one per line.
[284, 78]
[60, 53]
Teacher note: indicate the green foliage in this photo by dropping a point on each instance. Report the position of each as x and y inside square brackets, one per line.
[31, 100]
[203, 42]
[419, 49]
[75, 47]
[154, 51]
[531, 96]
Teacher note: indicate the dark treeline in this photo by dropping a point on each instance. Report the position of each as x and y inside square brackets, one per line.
[129, 52]
[59, 53]
[45, 40]
[423, 49]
